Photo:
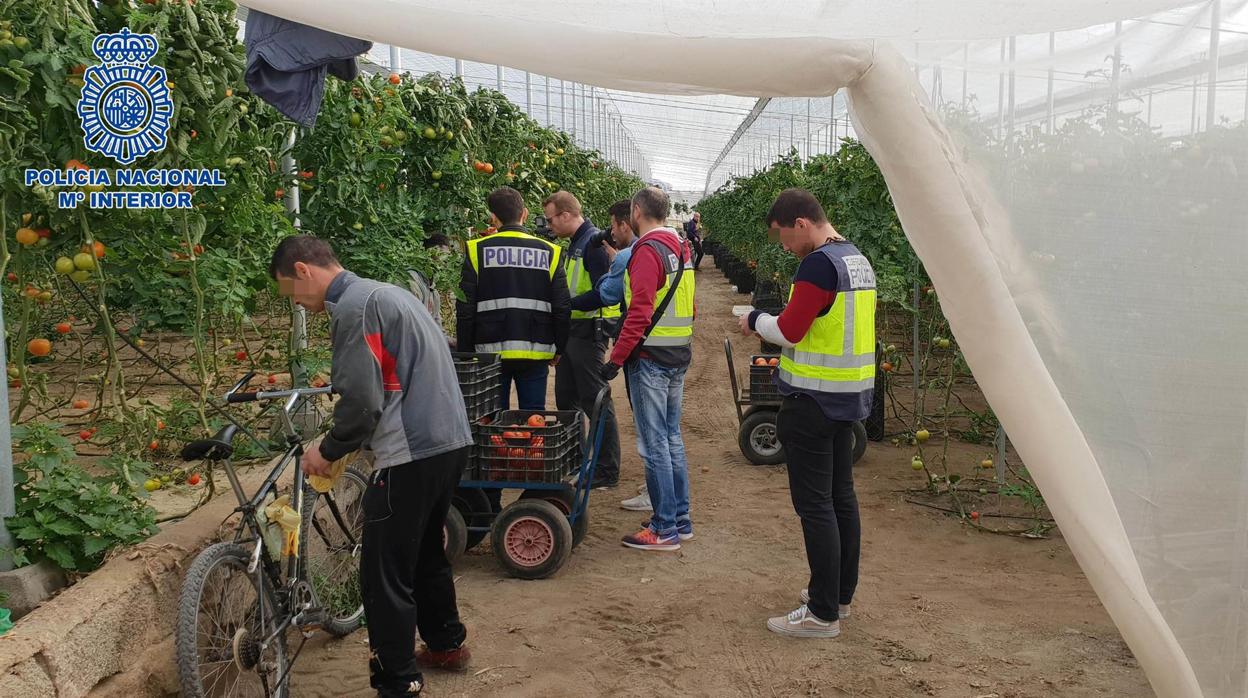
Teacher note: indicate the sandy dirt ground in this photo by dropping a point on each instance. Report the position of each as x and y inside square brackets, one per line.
[941, 609]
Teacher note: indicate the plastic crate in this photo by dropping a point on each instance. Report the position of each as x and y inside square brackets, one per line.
[762, 380]
[505, 448]
[480, 381]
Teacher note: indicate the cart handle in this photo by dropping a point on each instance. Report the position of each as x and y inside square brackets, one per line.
[732, 377]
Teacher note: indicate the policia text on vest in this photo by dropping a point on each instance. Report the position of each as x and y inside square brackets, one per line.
[516, 300]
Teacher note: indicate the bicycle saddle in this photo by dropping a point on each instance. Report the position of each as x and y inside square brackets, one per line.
[219, 447]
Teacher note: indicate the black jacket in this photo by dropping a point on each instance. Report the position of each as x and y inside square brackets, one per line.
[515, 291]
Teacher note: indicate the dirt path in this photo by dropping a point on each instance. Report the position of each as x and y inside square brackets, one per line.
[941, 609]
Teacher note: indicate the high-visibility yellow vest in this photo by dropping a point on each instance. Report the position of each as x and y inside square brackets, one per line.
[522, 268]
[580, 282]
[837, 355]
[675, 327]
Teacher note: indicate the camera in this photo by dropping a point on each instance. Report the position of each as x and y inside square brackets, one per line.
[541, 228]
[599, 238]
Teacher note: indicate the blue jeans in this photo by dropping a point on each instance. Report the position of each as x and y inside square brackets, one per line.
[530, 379]
[656, 395]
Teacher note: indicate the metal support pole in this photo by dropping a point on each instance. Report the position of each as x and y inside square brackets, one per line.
[1195, 99]
[459, 68]
[299, 316]
[574, 124]
[396, 61]
[1246, 95]
[528, 93]
[499, 77]
[792, 124]
[1013, 55]
[808, 152]
[1001, 91]
[8, 496]
[1049, 95]
[549, 121]
[563, 114]
[1116, 77]
[832, 121]
[914, 349]
[966, 57]
[1215, 33]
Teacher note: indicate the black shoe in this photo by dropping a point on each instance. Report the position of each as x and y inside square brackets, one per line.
[602, 483]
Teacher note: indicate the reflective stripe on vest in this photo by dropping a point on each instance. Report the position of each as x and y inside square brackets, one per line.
[580, 282]
[837, 355]
[675, 327]
[513, 303]
[517, 349]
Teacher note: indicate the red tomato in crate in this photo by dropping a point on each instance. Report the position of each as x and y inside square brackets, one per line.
[537, 420]
[515, 457]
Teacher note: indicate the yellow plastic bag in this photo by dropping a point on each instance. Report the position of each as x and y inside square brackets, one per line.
[279, 512]
[324, 484]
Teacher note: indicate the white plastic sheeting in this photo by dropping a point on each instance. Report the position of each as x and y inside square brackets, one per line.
[1103, 320]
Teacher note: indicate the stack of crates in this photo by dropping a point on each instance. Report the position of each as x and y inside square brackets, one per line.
[527, 446]
[762, 379]
[481, 382]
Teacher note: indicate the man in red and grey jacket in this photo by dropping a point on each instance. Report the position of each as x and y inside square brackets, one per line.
[398, 398]
[655, 364]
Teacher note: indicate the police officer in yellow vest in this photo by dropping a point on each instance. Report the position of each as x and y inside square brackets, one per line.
[576, 377]
[827, 376]
[516, 301]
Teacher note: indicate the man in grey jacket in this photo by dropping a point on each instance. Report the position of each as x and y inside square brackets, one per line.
[399, 398]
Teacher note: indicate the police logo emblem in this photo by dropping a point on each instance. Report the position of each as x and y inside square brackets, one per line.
[125, 105]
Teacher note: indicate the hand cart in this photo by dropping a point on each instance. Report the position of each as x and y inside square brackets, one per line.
[758, 403]
[552, 460]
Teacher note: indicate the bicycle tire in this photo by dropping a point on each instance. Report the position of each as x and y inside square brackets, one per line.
[187, 632]
[348, 491]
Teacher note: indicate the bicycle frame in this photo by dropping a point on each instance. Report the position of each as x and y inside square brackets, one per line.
[283, 582]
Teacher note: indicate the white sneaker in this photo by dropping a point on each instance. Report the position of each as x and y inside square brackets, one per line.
[639, 503]
[842, 612]
[803, 623]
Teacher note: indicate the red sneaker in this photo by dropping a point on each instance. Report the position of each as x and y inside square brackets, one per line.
[446, 660]
[645, 539]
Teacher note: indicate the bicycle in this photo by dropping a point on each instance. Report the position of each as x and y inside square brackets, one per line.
[239, 601]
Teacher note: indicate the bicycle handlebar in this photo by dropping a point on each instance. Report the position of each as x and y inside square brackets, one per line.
[237, 394]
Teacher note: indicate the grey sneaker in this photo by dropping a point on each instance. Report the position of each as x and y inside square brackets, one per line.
[639, 503]
[842, 612]
[803, 623]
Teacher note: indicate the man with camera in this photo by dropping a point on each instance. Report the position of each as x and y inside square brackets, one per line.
[576, 377]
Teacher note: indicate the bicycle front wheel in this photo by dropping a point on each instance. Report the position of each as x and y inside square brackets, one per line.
[333, 528]
[225, 619]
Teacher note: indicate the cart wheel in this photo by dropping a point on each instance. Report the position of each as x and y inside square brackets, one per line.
[860, 440]
[454, 534]
[531, 538]
[474, 504]
[757, 438]
[564, 500]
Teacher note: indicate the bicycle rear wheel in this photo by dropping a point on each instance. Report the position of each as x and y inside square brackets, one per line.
[333, 527]
[224, 616]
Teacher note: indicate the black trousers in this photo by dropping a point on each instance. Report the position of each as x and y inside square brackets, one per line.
[577, 384]
[697, 251]
[405, 577]
[820, 454]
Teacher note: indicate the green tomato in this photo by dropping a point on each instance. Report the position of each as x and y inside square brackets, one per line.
[450, 135]
[84, 261]
[242, 109]
[358, 226]
[355, 120]
[429, 133]
[82, 276]
[436, 175]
